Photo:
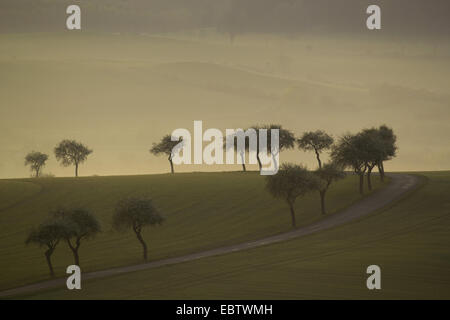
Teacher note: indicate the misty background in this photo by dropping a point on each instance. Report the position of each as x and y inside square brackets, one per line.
[238, 16]
[139, 69]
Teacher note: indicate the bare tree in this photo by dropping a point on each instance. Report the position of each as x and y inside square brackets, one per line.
[71, 152]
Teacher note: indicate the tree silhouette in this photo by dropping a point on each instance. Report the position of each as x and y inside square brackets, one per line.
[165, 146]
[350, 151]
[316, 141]
[377, 145]
[389, 145]
[79, 224]
[328, 173]
[48, 234]
[36, 160]
[136, 213]
[292, 181]
[286, 140]
[241, 153]
[375, 151]
[71, 152]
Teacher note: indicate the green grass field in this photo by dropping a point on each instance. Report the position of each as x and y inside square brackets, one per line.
[409, 241]
[203, 210]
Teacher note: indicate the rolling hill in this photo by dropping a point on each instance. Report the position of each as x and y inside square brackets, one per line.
[202, 210]
[408, 240]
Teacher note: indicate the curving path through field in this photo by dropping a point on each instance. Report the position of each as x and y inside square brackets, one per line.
[400, 184]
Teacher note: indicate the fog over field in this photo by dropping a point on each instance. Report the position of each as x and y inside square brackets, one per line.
[118, 91]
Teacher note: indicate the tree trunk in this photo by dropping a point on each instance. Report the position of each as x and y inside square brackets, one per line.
[361, 183]
[322, 201]
[171, 166]
[318, 160]
[259, 162]
[369, 181]
[275, 163]
[381, 171]
[76, 169]
[74, 249]
[243, 161]
[76, 257]
[144, 245]
[291, 207]
[48, 255]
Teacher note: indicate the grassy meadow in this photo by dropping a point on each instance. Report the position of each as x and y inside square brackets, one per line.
[409, 241]
[202, 210]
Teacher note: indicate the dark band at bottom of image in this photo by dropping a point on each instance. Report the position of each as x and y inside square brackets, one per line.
[230, 309]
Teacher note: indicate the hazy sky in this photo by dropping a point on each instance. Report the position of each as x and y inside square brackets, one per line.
[284, 16]
[120, 92]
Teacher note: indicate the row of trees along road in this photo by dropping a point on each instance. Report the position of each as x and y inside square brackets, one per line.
[361, 152]
[75, 225]
[67, 152]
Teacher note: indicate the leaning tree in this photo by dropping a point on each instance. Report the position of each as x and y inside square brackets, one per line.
[36, 160]
[48, 234]
[80, 224]
[328, 173]
[292, 181]
[165, 146]
[317, 141]
[71, 152]
[136, 213]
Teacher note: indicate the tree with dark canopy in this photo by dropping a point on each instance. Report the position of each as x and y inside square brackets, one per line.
[328, 173]
[375, 151]
[286, 140]
[292, 181]
[379, 146]
[389, 145]
[362, 152]
[71, 152]
[79, 224]
[48, 234]
[136, 213]
[36, 160]
[350, 151]
[316, 141]
[165, 146]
